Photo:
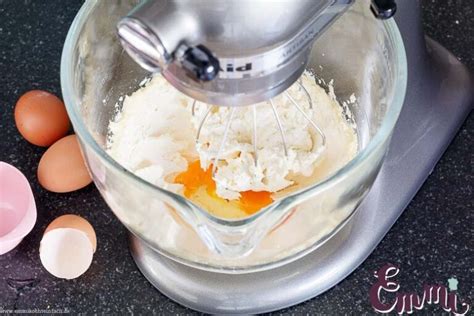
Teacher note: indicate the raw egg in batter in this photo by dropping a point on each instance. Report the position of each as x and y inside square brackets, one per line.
[200, 188]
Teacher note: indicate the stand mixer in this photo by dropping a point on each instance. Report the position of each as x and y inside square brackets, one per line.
[197, 46]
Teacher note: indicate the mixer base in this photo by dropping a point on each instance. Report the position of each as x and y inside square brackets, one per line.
[439, 97]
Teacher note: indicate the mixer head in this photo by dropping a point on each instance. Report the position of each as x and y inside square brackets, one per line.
[229, 52]
[233, 52]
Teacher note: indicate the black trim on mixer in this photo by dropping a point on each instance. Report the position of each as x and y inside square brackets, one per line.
[200, 63]
[383, 9]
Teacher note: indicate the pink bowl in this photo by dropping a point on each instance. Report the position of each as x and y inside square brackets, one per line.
[17, 207]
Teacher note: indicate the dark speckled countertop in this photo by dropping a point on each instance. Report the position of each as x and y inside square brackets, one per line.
[431, 242]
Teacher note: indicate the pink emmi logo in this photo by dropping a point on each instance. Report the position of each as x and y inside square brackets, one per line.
[408, 302]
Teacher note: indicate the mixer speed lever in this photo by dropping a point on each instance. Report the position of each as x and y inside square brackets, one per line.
[198, 61]
[383, 9]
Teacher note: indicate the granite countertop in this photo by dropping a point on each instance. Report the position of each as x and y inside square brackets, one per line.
[432, 241]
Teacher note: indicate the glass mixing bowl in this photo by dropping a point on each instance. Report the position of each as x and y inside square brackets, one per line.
[362, 55]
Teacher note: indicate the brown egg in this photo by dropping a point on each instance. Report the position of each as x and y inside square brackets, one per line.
[75, 222]
[62, 169]
[41, 117]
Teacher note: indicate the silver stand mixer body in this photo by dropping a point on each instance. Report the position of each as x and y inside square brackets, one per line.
[439, 97]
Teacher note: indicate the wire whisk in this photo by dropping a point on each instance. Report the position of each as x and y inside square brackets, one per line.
[279, 124]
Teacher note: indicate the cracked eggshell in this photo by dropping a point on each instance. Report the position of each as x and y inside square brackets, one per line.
[68, 246]
[66, 252]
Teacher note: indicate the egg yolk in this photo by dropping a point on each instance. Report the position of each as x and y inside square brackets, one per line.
[195, 178]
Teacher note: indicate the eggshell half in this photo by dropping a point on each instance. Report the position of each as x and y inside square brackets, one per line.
[62, 168]
[66, 252]
[76, 222]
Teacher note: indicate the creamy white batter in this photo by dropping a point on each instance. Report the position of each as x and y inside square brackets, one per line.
[154, 137]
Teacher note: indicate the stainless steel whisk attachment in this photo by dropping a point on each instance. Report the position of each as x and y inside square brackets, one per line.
[279, 124]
